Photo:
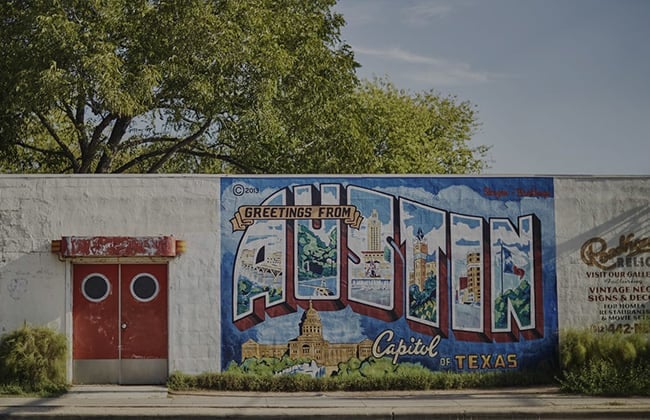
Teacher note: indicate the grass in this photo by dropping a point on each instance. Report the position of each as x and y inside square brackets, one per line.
[425, 380]
[605, 364]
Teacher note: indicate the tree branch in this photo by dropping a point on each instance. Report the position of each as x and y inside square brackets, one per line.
[64, 148]
[40, 150]
[185, 142]
[119, 129]
[97, 132]
[79, 119]
[139, 142]
[141, 158]
[225, 158]
[67, 110]
[191, 152]
[91, 149]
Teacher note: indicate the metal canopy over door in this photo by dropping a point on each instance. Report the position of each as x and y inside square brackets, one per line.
[119, 316]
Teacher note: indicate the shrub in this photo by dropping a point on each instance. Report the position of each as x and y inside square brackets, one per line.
[610, 363]
[409, 380]
[181, 381]
[603, 377]
[32, 360]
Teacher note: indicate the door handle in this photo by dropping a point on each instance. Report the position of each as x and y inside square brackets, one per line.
[124, 325]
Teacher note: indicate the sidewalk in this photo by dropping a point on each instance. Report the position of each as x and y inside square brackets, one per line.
[113, 402]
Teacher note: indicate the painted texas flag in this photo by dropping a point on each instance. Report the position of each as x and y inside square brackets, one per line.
[509, 265]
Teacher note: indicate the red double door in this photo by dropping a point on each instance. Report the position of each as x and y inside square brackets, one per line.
[119, 320]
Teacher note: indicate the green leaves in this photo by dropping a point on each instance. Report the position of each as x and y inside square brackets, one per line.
[258, 86]
[417, 132]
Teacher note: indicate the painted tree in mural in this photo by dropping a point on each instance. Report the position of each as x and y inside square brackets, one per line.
[317, 258]
[256, 86]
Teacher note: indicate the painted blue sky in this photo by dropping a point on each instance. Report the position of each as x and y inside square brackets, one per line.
[561, 86]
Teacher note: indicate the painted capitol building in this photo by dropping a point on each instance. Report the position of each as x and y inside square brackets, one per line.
[309, 344]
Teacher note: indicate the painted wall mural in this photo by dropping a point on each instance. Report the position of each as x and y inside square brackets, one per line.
[447, 273]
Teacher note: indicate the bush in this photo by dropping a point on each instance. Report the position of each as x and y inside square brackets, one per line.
[607, 379]
[181, 382]
[410, 380]
[610, 363]
[32, 360]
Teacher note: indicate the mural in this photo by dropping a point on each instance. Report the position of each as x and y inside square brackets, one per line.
[446, 273]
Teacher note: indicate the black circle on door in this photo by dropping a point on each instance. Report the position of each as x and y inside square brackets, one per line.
[144, 287]
[95, 287]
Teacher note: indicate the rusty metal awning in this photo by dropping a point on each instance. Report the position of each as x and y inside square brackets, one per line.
[117, 246]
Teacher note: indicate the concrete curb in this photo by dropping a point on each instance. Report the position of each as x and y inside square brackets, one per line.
[105, 402]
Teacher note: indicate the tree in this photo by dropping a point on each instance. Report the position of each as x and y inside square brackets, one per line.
[252, 86]
[147, 86]
[417, 132]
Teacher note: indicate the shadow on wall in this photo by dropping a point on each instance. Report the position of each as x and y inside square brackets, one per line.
[636, 221]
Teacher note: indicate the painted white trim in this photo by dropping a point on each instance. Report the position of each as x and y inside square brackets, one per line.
[106, 281]
[68, 317]
[138, 298]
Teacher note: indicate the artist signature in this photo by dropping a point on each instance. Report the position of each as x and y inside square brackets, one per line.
[596, 253]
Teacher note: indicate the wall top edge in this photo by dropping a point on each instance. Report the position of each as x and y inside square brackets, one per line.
[217, 176]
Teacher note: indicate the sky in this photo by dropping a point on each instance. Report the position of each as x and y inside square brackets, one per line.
[562, 87]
